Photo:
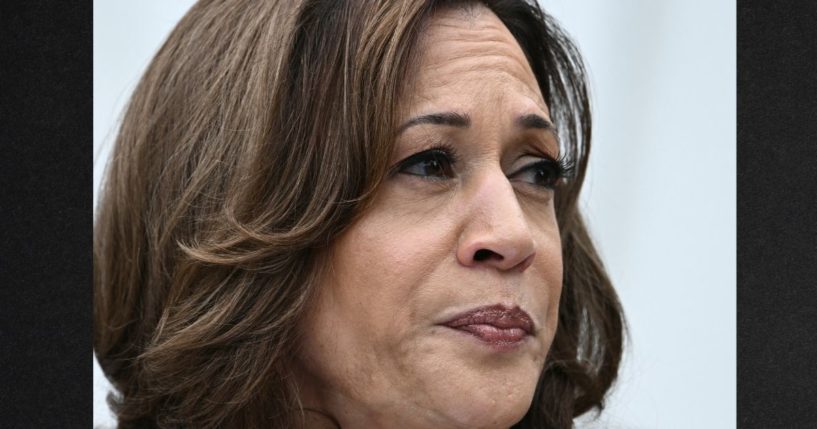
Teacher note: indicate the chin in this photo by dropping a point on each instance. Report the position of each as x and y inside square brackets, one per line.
[493, 413]
[494, 403]
[474, 387]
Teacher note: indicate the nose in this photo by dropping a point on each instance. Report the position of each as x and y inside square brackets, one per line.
[495, 232]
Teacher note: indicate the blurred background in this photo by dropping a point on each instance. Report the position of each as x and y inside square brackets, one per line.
[659, 197]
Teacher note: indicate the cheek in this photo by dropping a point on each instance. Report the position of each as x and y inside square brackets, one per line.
[551, 269]
[386, 257]
[371, 297]
[547, 268]
[364, 337]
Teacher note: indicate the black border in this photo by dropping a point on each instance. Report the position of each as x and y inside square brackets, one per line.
[777, 215]
[45, 243]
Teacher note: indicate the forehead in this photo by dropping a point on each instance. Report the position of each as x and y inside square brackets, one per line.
[464, 45]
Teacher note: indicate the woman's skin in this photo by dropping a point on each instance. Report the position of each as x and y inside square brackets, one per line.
[375, 352]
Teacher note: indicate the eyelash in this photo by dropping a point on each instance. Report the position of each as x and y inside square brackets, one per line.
[562, 167]
[440, 152]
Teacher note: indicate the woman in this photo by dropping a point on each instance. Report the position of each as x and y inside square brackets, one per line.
[354, 214]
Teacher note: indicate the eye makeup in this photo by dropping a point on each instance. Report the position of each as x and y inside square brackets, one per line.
[435, 163]
[547, 172]
[438, 163]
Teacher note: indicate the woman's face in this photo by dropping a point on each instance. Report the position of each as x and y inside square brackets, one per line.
[442, 300]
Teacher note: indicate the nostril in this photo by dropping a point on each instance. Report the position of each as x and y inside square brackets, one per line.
[485, 254]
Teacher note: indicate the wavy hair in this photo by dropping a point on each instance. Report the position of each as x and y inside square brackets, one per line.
[259, 132]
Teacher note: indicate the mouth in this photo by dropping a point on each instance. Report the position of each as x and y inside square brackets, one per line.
[497, 326]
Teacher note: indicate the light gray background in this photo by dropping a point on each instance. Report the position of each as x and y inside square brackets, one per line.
[660, 195]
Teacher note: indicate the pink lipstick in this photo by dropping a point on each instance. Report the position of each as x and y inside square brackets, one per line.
[499, 326]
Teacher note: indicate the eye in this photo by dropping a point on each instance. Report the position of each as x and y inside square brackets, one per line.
[432, 163]
[545, 173]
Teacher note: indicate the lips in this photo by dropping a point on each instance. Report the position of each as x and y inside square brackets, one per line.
[496, 325]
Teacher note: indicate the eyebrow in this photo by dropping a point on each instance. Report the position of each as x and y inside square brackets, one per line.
[452, 119]
[461, 120]
[533, 120]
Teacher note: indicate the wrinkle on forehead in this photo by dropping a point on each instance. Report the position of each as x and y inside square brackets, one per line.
[457, 45]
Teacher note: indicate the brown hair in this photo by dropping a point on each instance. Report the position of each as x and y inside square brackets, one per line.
[260, 131]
